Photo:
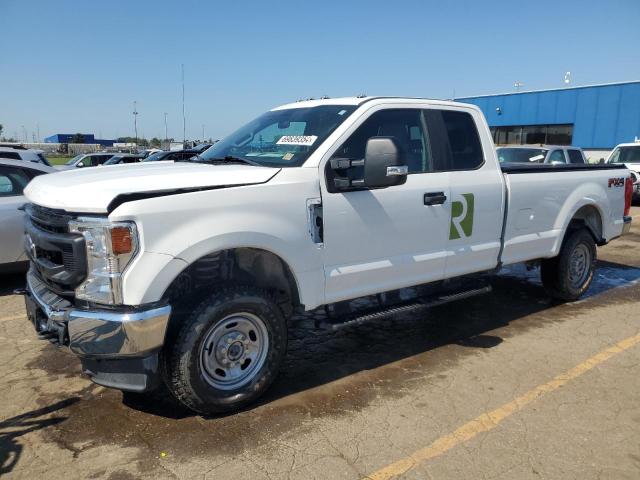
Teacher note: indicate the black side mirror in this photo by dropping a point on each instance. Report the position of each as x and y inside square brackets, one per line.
[383, 164]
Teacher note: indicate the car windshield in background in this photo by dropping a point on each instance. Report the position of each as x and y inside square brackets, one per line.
[283, 138]
[154, 157]
[114, 160]
[75, 159]
[521, 155]
[630, 154]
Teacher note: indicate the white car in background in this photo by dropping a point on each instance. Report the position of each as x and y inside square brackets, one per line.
[18, 152]
[14, 177]
[629, 155]
[86, 160]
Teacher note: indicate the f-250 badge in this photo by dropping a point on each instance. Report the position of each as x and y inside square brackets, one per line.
[616, 182]
[462, 217]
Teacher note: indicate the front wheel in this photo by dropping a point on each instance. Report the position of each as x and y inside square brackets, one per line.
[570, 274]
[228, 351]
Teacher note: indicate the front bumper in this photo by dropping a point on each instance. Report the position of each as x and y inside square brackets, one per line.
[115, 347]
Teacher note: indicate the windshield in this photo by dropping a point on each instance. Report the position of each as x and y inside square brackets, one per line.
[630, 154]
[283, 138]
[155, 157]
[75, 159]
[113, 160]
[521, 155]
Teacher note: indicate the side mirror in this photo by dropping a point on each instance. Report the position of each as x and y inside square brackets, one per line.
[382, 164]
[79, 165]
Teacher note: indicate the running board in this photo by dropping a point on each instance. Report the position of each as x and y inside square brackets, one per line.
[418, 304]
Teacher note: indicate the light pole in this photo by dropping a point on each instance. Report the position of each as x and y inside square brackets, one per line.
[203, 133]
[24, 133]
[166, 137]
[135, 120]
[184, 118]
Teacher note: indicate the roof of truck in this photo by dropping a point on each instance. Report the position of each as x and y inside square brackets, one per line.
[311, 102]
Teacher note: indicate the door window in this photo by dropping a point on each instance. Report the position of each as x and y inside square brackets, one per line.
[12, 181]
[10, 155]
[405, 126]
[557, 156]
[454, 140]
[575, 156]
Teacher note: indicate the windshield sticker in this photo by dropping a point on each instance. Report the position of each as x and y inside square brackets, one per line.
[287, 156]
[536, 158]
[304, 140]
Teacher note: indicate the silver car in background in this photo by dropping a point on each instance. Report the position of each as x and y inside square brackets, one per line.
[14, 177]
[549, 154]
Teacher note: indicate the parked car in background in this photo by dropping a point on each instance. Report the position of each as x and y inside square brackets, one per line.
[629, 155]
[121, 158]
[86, 160]
[150, 151]
[18, 152]
[14, 176]
[551, 154]
[202, 147]
[176, 155]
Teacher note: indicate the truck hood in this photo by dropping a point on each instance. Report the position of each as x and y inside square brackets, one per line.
[91, 190]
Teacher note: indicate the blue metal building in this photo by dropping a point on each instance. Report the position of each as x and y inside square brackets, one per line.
[88, 138]
[595, 117]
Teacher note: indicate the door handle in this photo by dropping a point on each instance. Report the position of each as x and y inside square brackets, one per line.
[434, 198]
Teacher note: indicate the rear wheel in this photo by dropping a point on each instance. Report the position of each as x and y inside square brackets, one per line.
[227, 351]
[570, 274]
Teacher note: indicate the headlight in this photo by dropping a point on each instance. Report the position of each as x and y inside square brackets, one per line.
[110, 248]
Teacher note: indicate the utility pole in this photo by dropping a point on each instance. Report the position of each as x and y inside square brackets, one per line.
[24, 133]
[184, 118]
[203, 133]
[38, 129]
[135, 120]
[166, 137]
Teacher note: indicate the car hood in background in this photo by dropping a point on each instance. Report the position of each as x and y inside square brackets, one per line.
[91, 190]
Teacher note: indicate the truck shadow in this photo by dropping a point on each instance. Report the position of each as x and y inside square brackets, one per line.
[318, 357]
[14, 428]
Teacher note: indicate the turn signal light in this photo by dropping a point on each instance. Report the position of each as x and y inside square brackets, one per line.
[121, 241]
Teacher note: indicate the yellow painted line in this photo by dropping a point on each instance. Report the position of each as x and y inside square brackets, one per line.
[14, 317]
[490, 420]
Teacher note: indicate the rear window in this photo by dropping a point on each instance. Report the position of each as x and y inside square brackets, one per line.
[10, 155]
[466, 152]
[575, 156]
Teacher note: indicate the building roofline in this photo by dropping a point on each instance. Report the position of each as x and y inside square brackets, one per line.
[547, 90]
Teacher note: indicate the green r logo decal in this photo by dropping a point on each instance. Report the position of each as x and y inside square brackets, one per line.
[462, 217]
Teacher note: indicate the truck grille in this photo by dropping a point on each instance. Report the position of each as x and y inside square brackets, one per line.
[57, 256]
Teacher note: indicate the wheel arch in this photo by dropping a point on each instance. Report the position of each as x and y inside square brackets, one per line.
[240, 265]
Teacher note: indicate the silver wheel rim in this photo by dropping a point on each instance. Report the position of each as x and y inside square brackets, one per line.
[579, 266]
[234, 350]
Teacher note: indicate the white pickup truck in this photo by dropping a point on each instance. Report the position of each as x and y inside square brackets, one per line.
[186, 273]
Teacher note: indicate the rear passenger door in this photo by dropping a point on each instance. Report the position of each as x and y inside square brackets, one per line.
[477, 194]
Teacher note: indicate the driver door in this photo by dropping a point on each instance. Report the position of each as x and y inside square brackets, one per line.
[384, 239]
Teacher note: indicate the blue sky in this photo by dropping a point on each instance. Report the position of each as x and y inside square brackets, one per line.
[69, 66]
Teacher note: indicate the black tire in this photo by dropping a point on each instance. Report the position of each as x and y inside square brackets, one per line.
[557, 276]
[187, 372]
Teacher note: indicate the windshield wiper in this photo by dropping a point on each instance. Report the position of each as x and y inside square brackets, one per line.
[226, 159]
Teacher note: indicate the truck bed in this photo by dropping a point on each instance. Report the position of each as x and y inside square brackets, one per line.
[540, 204]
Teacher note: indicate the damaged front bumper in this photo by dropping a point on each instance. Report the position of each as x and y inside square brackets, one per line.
[117, 348]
